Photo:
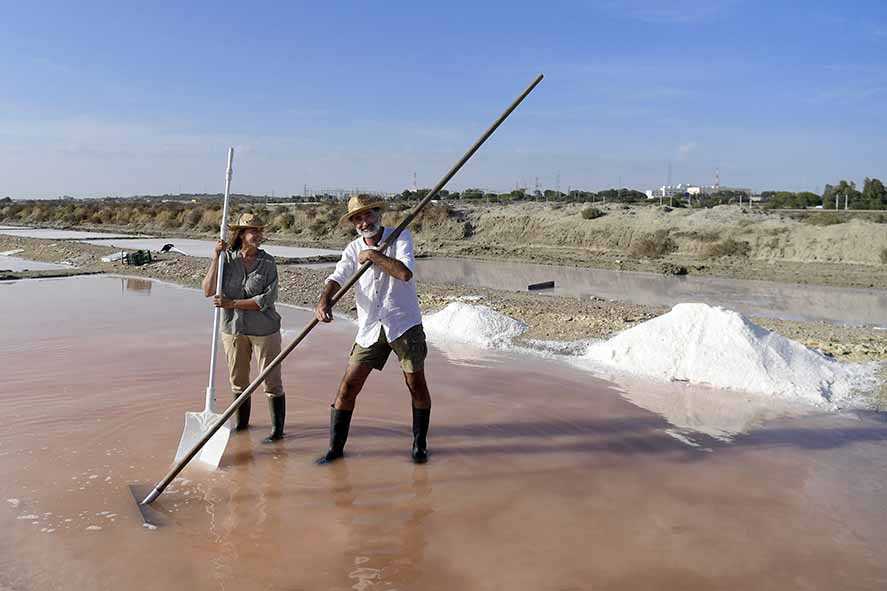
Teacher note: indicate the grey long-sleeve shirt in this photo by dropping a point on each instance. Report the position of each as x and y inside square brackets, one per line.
[260, 285]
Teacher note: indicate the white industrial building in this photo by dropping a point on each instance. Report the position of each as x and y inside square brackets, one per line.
[666, 191]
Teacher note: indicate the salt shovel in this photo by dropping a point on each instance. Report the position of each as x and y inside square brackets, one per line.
[197, 424]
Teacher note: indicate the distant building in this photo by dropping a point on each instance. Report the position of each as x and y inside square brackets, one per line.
[667, 191]
[692, 190]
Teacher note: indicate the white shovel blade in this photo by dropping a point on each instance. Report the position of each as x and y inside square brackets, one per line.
[198, 424]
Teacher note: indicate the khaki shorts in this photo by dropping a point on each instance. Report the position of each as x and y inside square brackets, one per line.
[409, 347]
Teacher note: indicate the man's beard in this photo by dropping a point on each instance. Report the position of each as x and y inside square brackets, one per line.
[371, 231]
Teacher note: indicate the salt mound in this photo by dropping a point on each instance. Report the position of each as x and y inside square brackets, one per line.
[711, 345]
[473, 324]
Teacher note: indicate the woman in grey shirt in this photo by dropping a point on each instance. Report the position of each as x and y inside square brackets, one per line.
[250, 323]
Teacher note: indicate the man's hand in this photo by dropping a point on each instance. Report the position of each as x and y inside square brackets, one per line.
[370, 254]
[220, 247]
[222, 302]
[323, 312]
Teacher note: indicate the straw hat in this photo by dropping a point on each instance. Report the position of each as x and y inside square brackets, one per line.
[361, 203]
[247, 220]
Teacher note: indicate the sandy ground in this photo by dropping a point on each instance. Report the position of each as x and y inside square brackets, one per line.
[541, 476]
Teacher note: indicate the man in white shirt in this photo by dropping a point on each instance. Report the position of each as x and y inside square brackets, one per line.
[388, 317]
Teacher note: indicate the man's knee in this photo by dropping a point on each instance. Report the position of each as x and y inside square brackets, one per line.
[415, 380]
[348, 392]
[417, 386]
[352, 383]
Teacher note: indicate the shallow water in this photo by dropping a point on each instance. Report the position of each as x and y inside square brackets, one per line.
[204, 248]
[541, 477]
[51, 234]
[14, 263]
[757, 298]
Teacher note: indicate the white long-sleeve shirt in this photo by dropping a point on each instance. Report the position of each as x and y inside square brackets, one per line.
[382, 300]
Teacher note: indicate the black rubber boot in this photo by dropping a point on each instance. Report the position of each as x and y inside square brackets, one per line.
[421, 419]
[340, 422]
[243, 413]
[277, 406]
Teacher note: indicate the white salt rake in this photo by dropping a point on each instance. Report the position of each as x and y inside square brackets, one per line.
[197, 424]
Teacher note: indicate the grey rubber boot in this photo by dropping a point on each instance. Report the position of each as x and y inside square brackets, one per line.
[340, 422]
[243, 413]
[421, 420]
[277, 406]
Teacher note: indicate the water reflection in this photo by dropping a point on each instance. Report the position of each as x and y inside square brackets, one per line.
[135, 285]
[758, 298]
[51, 234]
[386, 537]
[12, 263]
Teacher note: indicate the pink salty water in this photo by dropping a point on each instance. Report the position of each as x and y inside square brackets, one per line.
[541, 476]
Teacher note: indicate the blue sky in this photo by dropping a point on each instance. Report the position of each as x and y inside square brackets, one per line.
[101, 98]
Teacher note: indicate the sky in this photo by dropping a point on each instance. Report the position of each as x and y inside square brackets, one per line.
[125, 98]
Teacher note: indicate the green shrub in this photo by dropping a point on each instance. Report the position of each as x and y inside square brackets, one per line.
[318, 228]
[657, 245]
[823, 219]
[592, 213]
[282, 221]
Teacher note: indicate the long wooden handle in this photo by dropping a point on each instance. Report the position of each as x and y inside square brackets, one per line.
[152, 496]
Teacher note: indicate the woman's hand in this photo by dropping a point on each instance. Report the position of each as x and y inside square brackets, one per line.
[220, 247]
[223, 302]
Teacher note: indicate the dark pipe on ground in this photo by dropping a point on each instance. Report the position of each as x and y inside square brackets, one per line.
[543, 285]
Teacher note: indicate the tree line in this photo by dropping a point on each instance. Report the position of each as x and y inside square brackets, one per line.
[841, 195]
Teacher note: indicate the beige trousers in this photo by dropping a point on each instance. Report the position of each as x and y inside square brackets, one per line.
[239, 350]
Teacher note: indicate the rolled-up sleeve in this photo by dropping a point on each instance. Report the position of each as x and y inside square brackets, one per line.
[403, 250]
[268, 296]
[344, 268]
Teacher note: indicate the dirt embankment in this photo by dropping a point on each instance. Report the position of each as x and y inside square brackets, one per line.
[830, 248]
[823, 248]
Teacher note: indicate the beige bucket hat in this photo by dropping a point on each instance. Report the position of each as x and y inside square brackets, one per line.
[360, 203]
[247, 220]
